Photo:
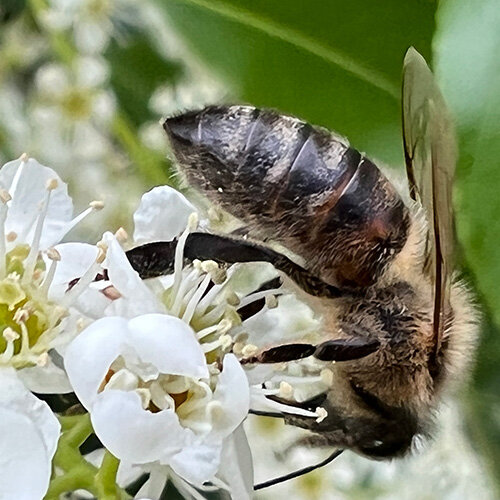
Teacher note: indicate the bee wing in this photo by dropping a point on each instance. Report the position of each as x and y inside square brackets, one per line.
[430, 155]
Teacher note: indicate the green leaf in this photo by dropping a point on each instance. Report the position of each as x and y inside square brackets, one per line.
[335, 63]
[469, 70]
[468, 64]
[10, 9]
[136, 71]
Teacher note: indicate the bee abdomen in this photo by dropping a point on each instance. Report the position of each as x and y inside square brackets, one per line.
[301, 184]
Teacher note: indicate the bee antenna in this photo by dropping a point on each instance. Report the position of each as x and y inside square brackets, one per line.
[298, 473]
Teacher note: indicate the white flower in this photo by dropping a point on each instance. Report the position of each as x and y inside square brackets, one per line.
[35, 213]
[78, 96]
[153, 396]
[162, 215]
[29, 434]
[93, 21]
[203, 299]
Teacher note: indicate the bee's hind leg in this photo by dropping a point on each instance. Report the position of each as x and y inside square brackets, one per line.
[157, 258]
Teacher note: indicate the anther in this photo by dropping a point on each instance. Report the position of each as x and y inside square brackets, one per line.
[226, 341]
[102, 245]
[121, 235]
[249, 350]
[43, 359]
[111, 293]
[96, 205]
[52, 184]
[224, 326]
[238, 348]
[21, 316]
[5, 197]
[233, 299]
[271, 301]
[209, 266]
[53, 254]
[193, 221]
[101, 256]
[322, 414]
[10, 335]
[286, 390]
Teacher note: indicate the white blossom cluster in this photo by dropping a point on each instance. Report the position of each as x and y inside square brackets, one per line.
[155, 362]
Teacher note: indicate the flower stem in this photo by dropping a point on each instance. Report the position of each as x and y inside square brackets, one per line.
[77, 472]
[105, 480]
[77, 478]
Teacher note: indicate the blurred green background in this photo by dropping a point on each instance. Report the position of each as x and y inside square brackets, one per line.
[84, 82]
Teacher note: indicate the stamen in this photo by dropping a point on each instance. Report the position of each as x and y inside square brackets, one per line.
[145, 396]
[179, 254]
[111, 293]
[121, 235]
[123, 380]
[191, 306]
[209, 298]
[54, 257]
[271, 301]
[249, 350]
[238, 348]
[286, 390]
[259, 295]
[87, 278]
[93, 206]
[186, 290]
[10, 336]
[43, 359]
[226, 342]
[215, 314]
[211, 346]
[21, 316]
[25, 339]
[33, 253]
[4, 198]
[207, 331]
[17, 176]
[322, 414]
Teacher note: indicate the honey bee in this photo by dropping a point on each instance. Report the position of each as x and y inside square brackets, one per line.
[377, 264]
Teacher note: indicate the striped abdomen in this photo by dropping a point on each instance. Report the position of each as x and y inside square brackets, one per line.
[298, 184]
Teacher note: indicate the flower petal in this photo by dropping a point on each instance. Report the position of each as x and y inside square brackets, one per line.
[232, 396]
[89, 356]
[197, 463]
[162, 215]
[133, 434]
[49, 379]
[30, 432]
[26, 182]
[245, 278]
[167, 343]
[236, 467]
[136, 298]
[76, 258]
[290, 320]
